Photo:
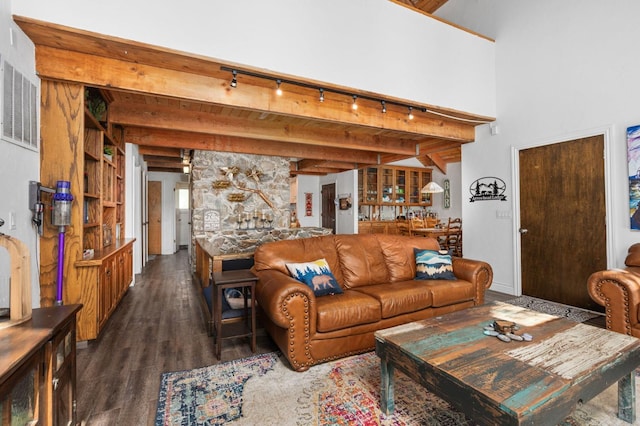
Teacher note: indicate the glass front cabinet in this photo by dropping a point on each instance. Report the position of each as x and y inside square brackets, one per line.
[398, 186]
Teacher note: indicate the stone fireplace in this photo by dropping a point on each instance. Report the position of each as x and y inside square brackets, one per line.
[233, 195]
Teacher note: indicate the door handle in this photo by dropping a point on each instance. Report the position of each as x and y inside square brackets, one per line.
[523, 230]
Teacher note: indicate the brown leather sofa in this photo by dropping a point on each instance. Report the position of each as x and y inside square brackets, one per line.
[618, 290]
[376, 273]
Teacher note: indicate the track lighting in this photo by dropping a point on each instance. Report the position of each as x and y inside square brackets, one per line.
[354, 105]
[234, 82]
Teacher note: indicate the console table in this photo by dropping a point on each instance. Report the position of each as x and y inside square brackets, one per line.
[38, 368]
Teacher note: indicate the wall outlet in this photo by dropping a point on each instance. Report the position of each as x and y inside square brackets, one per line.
[503, 214]
[12, 220]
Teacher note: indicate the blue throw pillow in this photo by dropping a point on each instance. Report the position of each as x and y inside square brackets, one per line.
[317, 275]
[433, 265]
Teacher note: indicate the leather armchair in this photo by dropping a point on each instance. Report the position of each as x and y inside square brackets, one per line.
[618, 290]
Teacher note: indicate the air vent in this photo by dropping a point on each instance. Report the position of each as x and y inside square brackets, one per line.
[19, 108]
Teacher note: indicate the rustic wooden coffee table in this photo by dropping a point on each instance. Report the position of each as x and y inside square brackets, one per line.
[514, 383]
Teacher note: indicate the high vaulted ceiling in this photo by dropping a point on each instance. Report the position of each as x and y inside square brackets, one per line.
[169, 102]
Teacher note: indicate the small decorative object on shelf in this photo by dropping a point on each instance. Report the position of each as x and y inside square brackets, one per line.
[108, 152]
[106, 235]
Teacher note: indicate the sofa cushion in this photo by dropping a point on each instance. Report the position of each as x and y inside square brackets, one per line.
[446, 292]
[349, 309]
[399, 298]
[399, 255]
[361, 260]
[317, 275]
[433, 265]
[276, 254]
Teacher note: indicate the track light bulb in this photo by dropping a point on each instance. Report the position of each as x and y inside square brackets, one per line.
[278, 89]
[354, 105]
[321, 95]
[384, 107]
[410, 113]
[234, 81]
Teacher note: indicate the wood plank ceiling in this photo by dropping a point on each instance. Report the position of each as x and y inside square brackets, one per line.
[171, 102]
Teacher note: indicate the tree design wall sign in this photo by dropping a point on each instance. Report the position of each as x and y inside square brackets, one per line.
[487, 189]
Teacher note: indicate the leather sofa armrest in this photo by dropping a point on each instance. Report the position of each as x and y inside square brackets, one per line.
[281, 297]
[618, 290]
[477, 272]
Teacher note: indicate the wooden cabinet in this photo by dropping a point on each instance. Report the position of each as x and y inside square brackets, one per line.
[378, 227]
[89, 153]
[397, 186]
[105, 279]
[38, 369]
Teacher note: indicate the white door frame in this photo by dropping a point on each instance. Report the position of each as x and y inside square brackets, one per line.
[515, 184]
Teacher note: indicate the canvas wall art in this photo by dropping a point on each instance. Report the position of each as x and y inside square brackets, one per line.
[633, 158]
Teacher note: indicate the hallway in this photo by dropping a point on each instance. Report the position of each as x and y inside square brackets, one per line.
[158, 327]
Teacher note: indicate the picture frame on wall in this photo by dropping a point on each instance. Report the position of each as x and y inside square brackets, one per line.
[633, 160]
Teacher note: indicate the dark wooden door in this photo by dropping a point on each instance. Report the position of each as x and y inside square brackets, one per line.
[155, 217]
[329, 206]
[562, 216]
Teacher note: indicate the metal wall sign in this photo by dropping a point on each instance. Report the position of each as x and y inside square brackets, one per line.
[212, 220]
[447, 194]
[487, 189]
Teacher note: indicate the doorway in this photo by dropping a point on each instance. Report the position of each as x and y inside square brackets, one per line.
[563, 219]
[183, 215]
[154, 194]
[329, 206]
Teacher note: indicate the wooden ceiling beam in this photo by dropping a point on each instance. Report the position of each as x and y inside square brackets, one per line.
[163, 117]
[174, 160]
[311, 164]
[116, 74]
[438, 162]
[160, 151]
[437, 145]
[164, 169]
[175, 139]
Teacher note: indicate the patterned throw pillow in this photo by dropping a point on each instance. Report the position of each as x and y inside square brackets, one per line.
[433, 265]
[317, 275]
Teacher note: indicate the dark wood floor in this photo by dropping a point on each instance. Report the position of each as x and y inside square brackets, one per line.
[158, 327]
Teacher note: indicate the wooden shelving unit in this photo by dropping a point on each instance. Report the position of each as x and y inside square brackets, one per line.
[388, 186]
[73, 149]
[393, 186]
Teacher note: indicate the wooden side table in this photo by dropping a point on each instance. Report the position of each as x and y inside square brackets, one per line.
[244, 280]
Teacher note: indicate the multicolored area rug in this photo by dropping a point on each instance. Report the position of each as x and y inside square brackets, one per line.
[263, 390]
[552, 308]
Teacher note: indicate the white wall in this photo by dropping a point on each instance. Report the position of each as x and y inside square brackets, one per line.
[18, 165]
[347, 220]
[564, 69]
[373, 45]
[169, 181]
[133, 200]
[307, 183]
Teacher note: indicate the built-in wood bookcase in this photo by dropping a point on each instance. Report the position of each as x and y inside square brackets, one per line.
[90, 154]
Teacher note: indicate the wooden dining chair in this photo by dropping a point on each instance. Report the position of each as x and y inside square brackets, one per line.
[452, 240]
[403, 227]
[430, 222]
[415, 223]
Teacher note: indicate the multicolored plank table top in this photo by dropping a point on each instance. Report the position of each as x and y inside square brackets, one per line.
[510, 383]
